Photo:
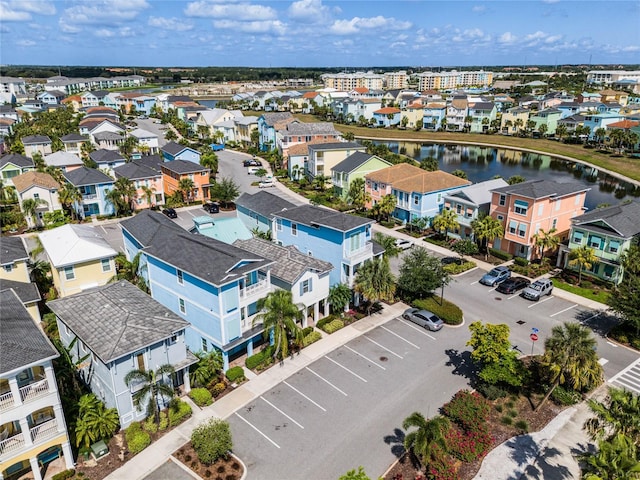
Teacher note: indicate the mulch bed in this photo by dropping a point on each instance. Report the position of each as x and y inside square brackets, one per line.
[407, 468]
[118, 456]
[221, 469]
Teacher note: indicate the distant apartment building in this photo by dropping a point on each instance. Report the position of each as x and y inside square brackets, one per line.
[348, 81]
[453, 79]
[396, 80]
[610, 77]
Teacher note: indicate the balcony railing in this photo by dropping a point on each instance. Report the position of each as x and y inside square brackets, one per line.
[11, 444]
[363, 251]
[89, 196]
[254, 288]
[44, 431]
[6, 401]
[34, 390]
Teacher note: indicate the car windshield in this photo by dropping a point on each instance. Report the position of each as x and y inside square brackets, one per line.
[495, 273]
[536, 286]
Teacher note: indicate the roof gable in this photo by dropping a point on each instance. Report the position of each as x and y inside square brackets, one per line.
[72, 244]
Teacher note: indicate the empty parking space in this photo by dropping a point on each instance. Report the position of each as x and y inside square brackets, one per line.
[629, 378]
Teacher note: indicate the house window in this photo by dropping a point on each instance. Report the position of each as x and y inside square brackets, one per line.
[69, 274]
[375, 187]
[439, 197]
[173, 339]
[204, 344]
[557, 205]
[305, 287]
[183, 307]
[458, 209]
[554, 224]
[180, 277]
[522, 230]
[614, 246]
[416, 199]
[106, 265]
[577, 237]
[294, 229]
[540, 209]
[513, 225]
[8, 268]
[279, 225]
[595, 242]
[521, 207]
[502, 200]
[36, 196]
[500, 218]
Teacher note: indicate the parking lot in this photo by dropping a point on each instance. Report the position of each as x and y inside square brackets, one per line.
[349, 404]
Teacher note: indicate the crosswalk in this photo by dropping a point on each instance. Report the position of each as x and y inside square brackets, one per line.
[629, 378]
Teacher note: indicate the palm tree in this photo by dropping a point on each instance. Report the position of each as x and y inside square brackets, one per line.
[148, 194]
[154, 387]
[519, 123]
[30, 207]
[487, 230]
[542, 129]
[375, 282]
[279, 316]
[69, 195]
[358, 196]
[428, 433]
[95, 422]
[616, 458]
[387, 205]
[388, 243]
[185, 187]
[617, 414]
[599, 136]
[546, 240]
[584, 257]
[339, 297]
[39, 273]
[570, 358]
[209, 366]
[445, 221]
[561, 131]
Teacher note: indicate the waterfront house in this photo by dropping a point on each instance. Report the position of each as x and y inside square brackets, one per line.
[482, 114]
[357, 165]
[514, 120]
[433, 115]
[387, 117]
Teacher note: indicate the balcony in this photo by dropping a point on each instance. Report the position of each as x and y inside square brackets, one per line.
[11, 445]
[6, 401]
[359, 254]
[44, 431]
[255, 288]
[89, 196]
[34, 390]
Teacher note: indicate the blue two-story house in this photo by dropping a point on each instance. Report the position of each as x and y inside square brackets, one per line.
[343, 240]
[93, 185]
[268, 125]
[175, 151]
[256, 210]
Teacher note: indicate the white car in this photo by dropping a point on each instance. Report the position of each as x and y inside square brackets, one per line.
[252, 170]
[267, 182]
[403, 244]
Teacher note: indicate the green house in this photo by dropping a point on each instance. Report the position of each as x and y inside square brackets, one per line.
[12, 165]
[609, 231]
[356, 165]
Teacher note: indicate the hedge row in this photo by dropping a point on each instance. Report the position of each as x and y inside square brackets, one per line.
[137, 439]
[500, 254]
[235, 374]
[323, 321]
[201, 396]
[178, 412]
[449, 312]
[455, 268]
[311, 338]
[333, 326]
[261, 359]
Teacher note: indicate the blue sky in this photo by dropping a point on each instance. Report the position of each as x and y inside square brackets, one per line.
[317, 33]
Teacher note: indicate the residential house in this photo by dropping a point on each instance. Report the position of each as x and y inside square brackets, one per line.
[625, 126]
[12, 165]
[227, 230]
[176, 170]
[80, 258]
[73, 142]
[457, 112]
[6, 126]
[73, 101]
[514, 120]
[108, 140]
[571, 122]
[36, 143]
[214, 286]
[357, 165]
[119, 328]
[257, 210]
[324, 156]
[244, 127]
[65, 161]
[297, 160]
[95, 98]
[482, 115]
[38, 186]
[268, 125]
[107, 160]
[295, 133]
[13, 260]
[548, 117]
[433, 114]
[609, 231]
[307, 278]
[414, 114]
[29, 296]
[174, 151]
[343, 240]
[143, 177]
[53, 97]
[612, 96]
[568, 109]
[525, 208]
[134, 102]
[33, 432]
[209, 120]
[93, 185]
[147, 141]
[387, 117]
[600, 120]
[471, 203]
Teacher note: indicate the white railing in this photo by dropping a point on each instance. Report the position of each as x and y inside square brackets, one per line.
[34, 390]
[6, 401]
[89, 196]
[44, 431]
[367, 249]
[11, 444]
[254, 288]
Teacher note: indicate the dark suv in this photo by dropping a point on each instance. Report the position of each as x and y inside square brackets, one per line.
[211, 207]
[170, 212]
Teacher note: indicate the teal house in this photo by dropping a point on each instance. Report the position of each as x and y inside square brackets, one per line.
[356, 165]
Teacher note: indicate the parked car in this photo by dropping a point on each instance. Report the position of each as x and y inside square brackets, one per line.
[537, 289]
[495, 276]
[211, 207]
[170, 212]
[251, 163]
[513, 284]
[403, 244]
[267, 182]
[424, 318]
[252, 170]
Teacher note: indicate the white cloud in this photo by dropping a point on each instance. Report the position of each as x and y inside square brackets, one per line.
[508, 38]
[357, 24]
[104, 12]
[553, 38]
[20, 11]
[550, 1]
[25, 43]
[309, 10]
[104, 33]
[235, 11]
[9, 14]
[67, 28]
[40, 7]
[268, 26]
[173, 24]
[479, 9]
[631, 48]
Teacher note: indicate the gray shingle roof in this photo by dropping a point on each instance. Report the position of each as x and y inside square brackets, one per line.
[183, 166]
[27, 291]
[275, 117]
[135, 171]
[624, 219]
[107, 136]
[312, 215]
[21, 341]
[173, 148]
[298, 128]
[117, 319]
[335, 146]
[87, 176]
[35, 139]
[352, 162]
[290, 263]
[103, 156]
[148, 227]
[542, 188]
[72, 137]
[12, 249]
[16, 159]
[151, 161]
[263, 203]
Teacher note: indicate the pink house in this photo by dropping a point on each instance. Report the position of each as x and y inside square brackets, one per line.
[525, 208]
[146, 180]
[378, 184]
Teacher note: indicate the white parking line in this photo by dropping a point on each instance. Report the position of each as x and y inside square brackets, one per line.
[367, 359]
[382, 347]
[327, 381]
[612, 344]
[473, 283]
[189, 212]
[403, 339]
[603, 361]
[625, 370]
[269, 403]
[255, 428]
[592, 317]
[513, 296]
[345, 368]
[492, 290]
[105, 232]
[565, 310]
[539, 302]
[421, 330]
[296, 390]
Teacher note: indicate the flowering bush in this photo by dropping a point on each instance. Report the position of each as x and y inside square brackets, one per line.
[441, 467]
[468, 446]
[469, 410]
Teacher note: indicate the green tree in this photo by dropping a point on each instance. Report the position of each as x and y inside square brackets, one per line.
[546, 241]
[69, 195]
[427, 435]
[619, 413]
[210, 160]
[374, 281]
[339, 297]
[429, 164]
[170, 135]
[207, 369]
[30, 208]
[492, 351]
[359, 474]
[615, 459]
[561, 131]
[570, 358]
[279, 317]
[464, 247]
[542, 129]
[212, 440]
[421, 274]
[486, 230]
[445, 221]
[357, 195]
[131, 271]
[39, 272]
[387, 205]
[186, 187]
[583, 257]
[149, 194]
[225, 190]
[514, 179]
[388, 243]
[348, 136]
[625, 298]
[460, 174]
[95, 422]
[153, 388]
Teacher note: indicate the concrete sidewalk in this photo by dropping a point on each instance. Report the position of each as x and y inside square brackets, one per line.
[157, 453]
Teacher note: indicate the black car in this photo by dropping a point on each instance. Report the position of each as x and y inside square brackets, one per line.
[251, 163]
[512, 285]
[211, 207]
[170, 212]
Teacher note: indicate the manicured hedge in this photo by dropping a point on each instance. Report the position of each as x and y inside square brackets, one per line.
[179, 414]
[260, 359]
[64, 474]
[235, 374]
[306, 331]
[333, 326]
[322, 322]
[137, 439]
[455, 268]
[449, 312]
[500, 254]
[523, 262]
[311, 338]
[201, 396]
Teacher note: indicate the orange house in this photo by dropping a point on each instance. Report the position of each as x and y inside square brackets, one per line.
[176, 170]
[525, 208]
[379, 183]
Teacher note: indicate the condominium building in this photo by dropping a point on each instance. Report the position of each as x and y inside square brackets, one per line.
[453, 79]
[396, 80]
[609, 77]
[349, 81]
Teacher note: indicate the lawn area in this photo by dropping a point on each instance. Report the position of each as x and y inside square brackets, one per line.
[597, 295]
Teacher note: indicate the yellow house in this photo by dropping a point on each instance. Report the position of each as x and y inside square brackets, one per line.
[514, 120]
[13, 259]
[414, 113]
[80, 258]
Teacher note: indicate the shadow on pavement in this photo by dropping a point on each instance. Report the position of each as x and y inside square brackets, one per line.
[462, 363]
[396, 441]
[543, 470]
[600, 324]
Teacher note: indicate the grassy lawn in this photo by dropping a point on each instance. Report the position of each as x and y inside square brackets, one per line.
[599, 295]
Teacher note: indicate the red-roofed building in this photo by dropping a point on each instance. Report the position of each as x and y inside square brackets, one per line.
[387, 117]
[623, 125]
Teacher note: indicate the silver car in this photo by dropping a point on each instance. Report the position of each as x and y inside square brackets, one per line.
[537, 289]
[424, 318]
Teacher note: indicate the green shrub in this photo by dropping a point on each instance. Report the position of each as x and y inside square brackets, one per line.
[492, 392]
[449, 312]
[178, 412]
[218, 388]
[510, 404]
[506, 420]
[333, 326]
[322, 322]
[201, 396]
[523, 262]
[512, 413]
[164, 421]
[498, 408]
[389, 224]
[137, 439]
[500, 254]
[306, 331]
[64, 474]
[522, 425]
[261, 359]
[456, 268]
[235, 374]
[468, 409]
[150, 425]
[565, 396]
[212, 440]
[311, 338]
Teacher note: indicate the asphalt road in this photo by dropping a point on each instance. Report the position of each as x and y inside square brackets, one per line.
[157, 128]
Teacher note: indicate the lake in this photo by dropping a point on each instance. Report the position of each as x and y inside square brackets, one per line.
[484, 163]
